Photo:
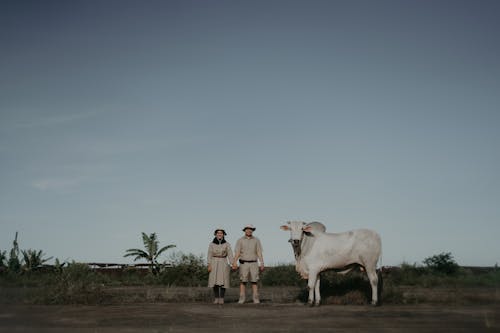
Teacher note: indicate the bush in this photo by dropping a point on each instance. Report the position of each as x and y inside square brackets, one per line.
[76, 284]
[3, 259]
[281, 275]
[406, 274]
[133, 277]
[442, 263]
[482, 278]
[188, 270]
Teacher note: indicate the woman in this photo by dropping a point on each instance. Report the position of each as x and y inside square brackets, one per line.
[219, 257]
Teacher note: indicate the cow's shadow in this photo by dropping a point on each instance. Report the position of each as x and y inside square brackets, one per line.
[352, 288]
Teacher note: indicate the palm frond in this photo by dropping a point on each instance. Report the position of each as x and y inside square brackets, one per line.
[151, 245]
[164, 249]
[145, 239]
[138, 253]
[148, 242]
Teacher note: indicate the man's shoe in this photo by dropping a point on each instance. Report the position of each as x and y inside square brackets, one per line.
[242, 299]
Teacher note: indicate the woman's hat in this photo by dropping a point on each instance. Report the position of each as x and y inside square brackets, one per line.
[220, 229]
[249, 226]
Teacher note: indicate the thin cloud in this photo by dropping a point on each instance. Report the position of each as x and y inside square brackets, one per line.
[67, 177]
[56, 120]
[57, 184]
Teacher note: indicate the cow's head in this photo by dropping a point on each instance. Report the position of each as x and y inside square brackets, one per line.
[296, 230]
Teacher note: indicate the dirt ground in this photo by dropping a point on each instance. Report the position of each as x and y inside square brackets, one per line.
[264, 317]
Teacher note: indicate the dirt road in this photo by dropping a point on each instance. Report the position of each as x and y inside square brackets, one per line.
[231, 317]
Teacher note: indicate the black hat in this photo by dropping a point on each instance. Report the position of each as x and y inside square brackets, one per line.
[220, 229]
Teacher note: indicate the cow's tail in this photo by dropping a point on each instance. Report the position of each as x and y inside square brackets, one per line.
[380, 260]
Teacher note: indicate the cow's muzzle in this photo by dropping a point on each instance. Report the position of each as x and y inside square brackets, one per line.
[296, 247]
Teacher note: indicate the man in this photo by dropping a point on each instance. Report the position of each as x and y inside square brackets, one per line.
[248, 251]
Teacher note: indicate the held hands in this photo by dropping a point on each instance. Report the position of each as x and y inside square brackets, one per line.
[234, 266]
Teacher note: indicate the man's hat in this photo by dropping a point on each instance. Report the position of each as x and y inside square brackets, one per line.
[249, 226]
[220, 229]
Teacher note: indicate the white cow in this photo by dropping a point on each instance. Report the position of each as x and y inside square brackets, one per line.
[341, 251]
[303, 245]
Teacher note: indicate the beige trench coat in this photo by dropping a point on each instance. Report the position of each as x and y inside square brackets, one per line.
[219, 257]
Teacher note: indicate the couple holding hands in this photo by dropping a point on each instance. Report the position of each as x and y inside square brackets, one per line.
[248, 252]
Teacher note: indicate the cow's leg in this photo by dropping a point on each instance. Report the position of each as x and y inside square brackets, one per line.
[311, 284]
[372, 276]
[317, 296]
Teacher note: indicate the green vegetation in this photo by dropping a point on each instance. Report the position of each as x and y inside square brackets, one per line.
[21, 260]
[24, 273]
[75, 284]
[3, 259]
[282, 275]
[14, 264]
[33, 259]
[152, 252]
[188, 270]
[442, 263]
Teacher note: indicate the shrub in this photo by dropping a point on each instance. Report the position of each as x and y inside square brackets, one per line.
[188, 270]
[76, 284]
[3, 259]
[479, 278]
[281, 275]
[442, 263]
[406, 274]
[133, 277]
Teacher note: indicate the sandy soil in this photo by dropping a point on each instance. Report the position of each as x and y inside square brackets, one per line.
[265, 317]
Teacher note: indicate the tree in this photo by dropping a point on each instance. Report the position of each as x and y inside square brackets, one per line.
[152, 252]
[442, 263]
[14, 263]
[33, 259]
[3, 259]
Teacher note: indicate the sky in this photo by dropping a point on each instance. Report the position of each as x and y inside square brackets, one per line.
[180, 117]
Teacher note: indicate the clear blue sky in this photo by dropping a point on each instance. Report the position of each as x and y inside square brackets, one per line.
[176, 117]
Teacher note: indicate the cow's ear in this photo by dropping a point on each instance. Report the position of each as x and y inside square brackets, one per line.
[307, 228]
[285, 227]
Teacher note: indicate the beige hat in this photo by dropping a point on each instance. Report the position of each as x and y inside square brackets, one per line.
[249, 226]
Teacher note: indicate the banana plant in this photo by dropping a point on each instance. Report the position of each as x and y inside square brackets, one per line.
[151, 253]
[33, 259]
